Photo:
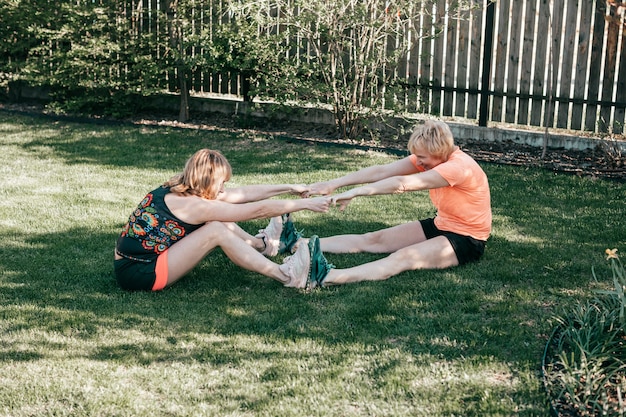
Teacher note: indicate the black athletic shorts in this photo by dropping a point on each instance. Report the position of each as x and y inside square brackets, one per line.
[141, 275]
[135, 276]
[466, 248]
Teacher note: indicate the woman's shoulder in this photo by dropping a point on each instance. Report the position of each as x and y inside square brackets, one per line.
[459, 166]
[458, 153]
[460, 156]
[177, 201]
[161, 190]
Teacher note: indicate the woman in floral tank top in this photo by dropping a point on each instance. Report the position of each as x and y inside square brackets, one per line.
[179, 223]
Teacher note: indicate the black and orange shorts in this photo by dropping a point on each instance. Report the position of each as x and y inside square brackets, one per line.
[140, 275]
[466, 248]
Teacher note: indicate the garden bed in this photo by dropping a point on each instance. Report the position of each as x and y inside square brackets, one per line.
[598, 163]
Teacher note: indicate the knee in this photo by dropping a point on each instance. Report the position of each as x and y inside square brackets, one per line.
[214, 230]
[401, 257]
[373, 241]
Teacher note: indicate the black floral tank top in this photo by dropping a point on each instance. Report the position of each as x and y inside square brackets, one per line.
[151, 229]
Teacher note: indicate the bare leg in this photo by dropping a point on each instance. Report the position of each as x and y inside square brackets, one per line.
[433, 253]
[183, 256]
[382, 241]
[255, 242]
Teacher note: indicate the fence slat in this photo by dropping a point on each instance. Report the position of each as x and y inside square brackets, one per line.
[541, 61]
[402, 72]
[476, 47]
[581, 73]
[513, 61]
[503, 17]
[620, 85]
[526, 61]
[556, 26]
[567, 63]
[412, 70]
[450, 61]
[425, 58]
[462, 53]
[438, 51]
[595, 66]
[608, 77]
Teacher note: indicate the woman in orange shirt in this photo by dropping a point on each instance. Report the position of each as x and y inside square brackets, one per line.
[458, 188]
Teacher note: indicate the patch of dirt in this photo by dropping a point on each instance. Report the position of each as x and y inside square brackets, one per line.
[597, 163]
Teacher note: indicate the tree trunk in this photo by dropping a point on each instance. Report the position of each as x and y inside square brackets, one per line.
[176, 43]
[183, 114]
[245, 86]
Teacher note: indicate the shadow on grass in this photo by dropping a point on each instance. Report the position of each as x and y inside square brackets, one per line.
[157, 147]
[448, 314]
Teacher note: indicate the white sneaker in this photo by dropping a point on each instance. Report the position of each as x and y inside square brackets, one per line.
[297, 266]
[271, 236]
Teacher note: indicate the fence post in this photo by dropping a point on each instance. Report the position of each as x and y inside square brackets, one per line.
[486, 76]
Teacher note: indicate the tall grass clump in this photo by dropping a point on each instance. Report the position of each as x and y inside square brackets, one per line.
[586, 369]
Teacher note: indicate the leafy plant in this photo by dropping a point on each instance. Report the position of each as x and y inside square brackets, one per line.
[619, 283]
[90, 55]
[237, 46]
[586, 373]
[347, 52]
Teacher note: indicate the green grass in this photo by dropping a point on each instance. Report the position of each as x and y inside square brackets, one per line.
[228, 342]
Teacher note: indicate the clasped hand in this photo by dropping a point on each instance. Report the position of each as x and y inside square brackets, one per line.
[341, 199]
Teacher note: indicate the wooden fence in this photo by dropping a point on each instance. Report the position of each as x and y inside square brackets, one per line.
[544, 63]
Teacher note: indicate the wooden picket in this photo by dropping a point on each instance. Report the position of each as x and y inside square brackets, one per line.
[554, 63]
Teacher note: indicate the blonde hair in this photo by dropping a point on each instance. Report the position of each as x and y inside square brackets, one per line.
[433, 136]
[202, 176]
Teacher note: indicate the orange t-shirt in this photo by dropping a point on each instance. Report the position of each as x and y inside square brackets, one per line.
[464, 207]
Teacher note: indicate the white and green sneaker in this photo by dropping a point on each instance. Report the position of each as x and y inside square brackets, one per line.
[271, 236]
[297, 267]
[319, 266]
[289, 236]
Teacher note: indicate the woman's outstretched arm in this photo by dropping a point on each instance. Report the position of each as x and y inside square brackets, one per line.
[249, 193]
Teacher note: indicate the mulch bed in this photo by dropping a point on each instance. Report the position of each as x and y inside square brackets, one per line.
[596, 163]
[602, 162]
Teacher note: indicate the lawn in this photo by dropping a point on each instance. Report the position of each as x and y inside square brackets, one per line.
[466, 341]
